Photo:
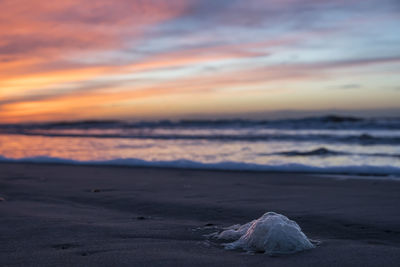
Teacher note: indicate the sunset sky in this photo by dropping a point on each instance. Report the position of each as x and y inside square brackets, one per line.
[165, 59]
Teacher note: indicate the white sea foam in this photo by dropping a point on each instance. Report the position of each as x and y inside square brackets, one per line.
[272, 234]
[369, 170]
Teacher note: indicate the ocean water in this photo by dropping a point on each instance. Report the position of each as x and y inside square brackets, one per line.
[329, 144]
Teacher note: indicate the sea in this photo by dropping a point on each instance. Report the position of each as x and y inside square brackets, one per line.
[328, 144]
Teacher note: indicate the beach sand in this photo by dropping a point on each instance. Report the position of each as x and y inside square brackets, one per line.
[61, 215]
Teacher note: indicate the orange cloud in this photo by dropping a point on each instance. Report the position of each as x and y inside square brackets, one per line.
[44, 32]
[19, 84]
[105, 101]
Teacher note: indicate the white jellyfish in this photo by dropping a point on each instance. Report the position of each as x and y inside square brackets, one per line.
[272, 234]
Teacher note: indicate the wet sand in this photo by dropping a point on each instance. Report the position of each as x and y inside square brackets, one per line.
[61, 215]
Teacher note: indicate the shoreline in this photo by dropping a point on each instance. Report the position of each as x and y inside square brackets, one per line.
[82, 215]
[204, 167]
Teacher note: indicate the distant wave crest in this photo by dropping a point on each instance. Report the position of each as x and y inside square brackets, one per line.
[322, 151]
[323, 122]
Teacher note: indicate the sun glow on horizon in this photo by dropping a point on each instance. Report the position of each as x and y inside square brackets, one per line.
[161, 59]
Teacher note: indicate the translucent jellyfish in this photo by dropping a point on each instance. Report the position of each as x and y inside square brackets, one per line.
[272, 234]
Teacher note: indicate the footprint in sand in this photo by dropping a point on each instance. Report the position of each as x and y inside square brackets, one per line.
[64, 246]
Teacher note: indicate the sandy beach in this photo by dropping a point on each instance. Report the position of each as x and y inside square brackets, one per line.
[65, 215]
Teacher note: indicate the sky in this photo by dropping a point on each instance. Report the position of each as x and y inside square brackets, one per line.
[167, 59]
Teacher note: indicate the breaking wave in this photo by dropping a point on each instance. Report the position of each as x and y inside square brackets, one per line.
[365, 170]
[323, 122]
[325, 152]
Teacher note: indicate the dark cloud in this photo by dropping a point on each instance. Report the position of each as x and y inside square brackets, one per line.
[357, 62]
[349, 86]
